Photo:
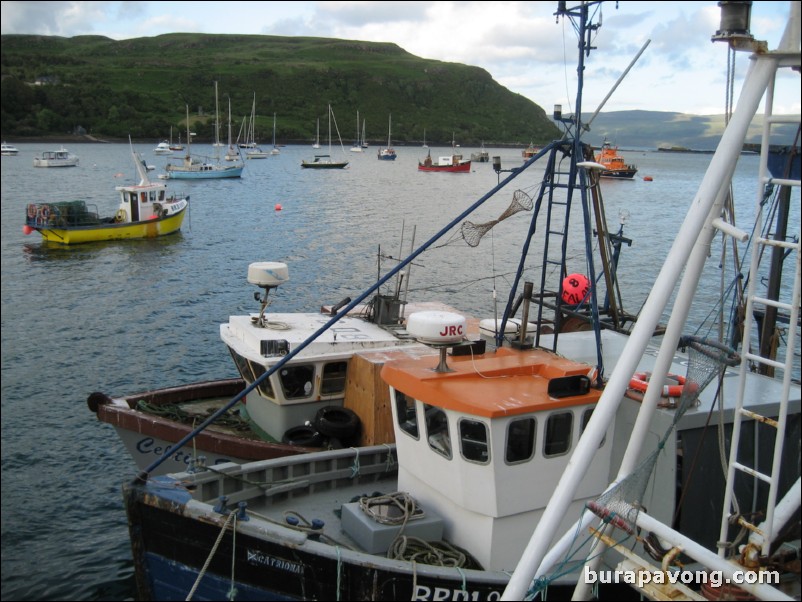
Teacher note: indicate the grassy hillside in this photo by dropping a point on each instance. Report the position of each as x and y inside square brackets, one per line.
[54, 85]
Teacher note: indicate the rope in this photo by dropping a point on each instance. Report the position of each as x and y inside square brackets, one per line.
[232, 590]
[202, 572]
[408, 509]
[355, 466]
[436, 553]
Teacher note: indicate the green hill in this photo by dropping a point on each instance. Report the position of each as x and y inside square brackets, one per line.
[56, 86]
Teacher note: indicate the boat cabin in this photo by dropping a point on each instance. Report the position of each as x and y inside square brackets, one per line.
[483, 439]
[318, 376]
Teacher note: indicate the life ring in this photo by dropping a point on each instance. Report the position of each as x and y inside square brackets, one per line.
[120, 216]
[44, 212]
[31, 210]
[640, 382]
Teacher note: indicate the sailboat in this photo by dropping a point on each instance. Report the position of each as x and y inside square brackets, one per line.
[232, 153]
[518, 467]
[388, 154]
[424, 139]
[364, 139]
[275, 150]
[357, 147]
[192, 168]
[216, 120]
[178, 145]
[254, 151]
[317, 137]
[325, 161]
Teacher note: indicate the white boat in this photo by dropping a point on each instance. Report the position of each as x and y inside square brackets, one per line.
[253, 150]
[580, 447]
[388, 153]
[57, 158]
[275, 150]
[357, 147]
[202, 168]
[8, 150]
[317, 136]
[163, 148]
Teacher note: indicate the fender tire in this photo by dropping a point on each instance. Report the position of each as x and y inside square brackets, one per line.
[337, 422]
[303, 436]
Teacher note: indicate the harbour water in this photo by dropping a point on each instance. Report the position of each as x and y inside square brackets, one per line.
[129, 316]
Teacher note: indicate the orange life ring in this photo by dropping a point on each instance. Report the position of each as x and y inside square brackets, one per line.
[640, 382]
[44, 212]
[31, 210]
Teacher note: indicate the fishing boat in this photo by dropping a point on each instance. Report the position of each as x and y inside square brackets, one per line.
[326, 161]
[387, 153]
[202, 168]
[56, 158]
[614, 164]
[329, 395]
[453, 163]
[530, 151]
[532, 464]
[445, 164]
[8, 150]
[482, 156]
[146, 210]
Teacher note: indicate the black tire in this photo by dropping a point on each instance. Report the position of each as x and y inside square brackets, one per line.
[336, 421]
[303, 436]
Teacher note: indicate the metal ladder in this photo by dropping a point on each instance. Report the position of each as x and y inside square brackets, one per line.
[765, 533]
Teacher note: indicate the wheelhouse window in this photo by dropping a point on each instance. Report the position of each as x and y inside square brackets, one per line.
[557, 438]
[406, 414]
[265, 387]
[520, 440]
[296, 381]
[333, 381]
[473, 441]
[437, 430]
[242, 366]
[585, 419]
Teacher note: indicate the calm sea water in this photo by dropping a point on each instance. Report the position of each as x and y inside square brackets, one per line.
[129, 316]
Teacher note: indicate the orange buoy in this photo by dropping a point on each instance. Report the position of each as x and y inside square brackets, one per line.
[640, 382]
[647, 178]
[26, 229]
[278, 206]
[575, 288]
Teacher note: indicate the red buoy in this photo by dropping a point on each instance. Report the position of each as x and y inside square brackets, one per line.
[26, 229]
[647, 178]
[278, 206]
[575, 288]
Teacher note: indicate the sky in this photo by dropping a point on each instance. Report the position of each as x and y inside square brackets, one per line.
[521, 44]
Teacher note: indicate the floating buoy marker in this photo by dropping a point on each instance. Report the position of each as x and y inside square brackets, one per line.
[575, 287]
[278, 206]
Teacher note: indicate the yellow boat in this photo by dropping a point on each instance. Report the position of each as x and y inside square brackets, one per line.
[145, 211]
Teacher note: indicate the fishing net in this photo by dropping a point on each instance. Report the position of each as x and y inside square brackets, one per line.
[473, 233]
[619, 505]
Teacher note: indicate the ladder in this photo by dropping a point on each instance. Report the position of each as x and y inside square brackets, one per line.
[764, 533]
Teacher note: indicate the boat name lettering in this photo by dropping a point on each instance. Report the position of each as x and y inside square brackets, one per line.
[444, 593]
[259, 558]
[450, 331]
[147, 445]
